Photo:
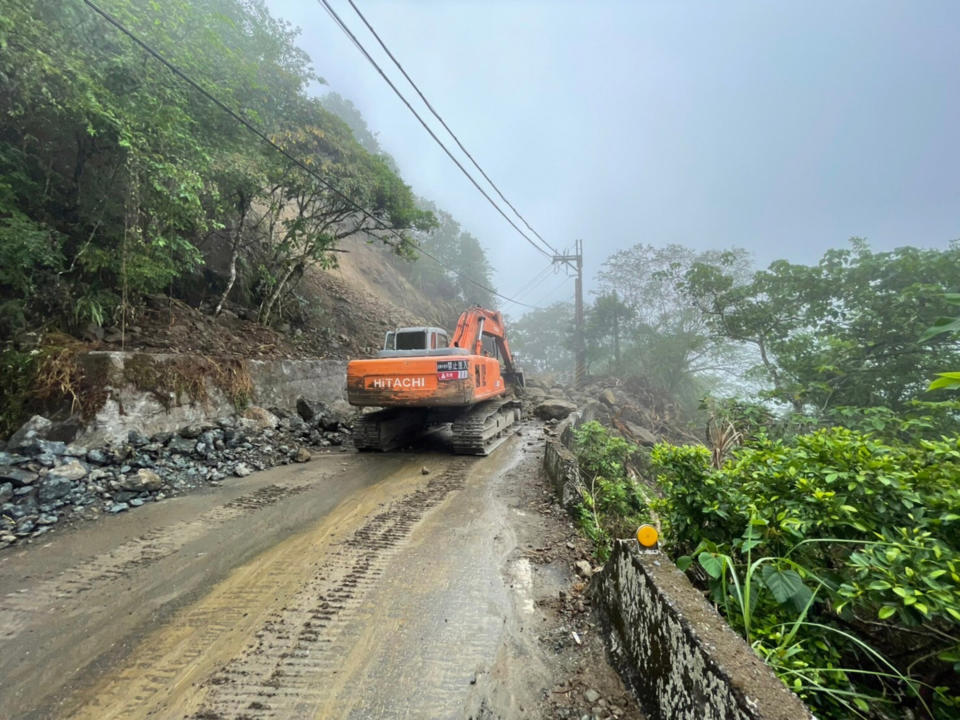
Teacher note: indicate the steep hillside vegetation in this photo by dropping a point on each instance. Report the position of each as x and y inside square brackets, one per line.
[136, 213]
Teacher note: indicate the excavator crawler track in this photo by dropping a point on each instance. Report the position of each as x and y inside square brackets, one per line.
[389, 429]
[483, 428]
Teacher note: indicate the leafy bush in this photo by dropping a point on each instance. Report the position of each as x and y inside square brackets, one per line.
[870, 526]
[18, 370]
[614, 503]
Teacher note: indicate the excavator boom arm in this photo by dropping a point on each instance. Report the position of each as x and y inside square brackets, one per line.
[477, 322]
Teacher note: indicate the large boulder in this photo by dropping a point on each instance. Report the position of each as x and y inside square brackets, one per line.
[65, 430]
[534, 394]
[309, 409]
[36, 428]
[18, 477]
[264, 419]
[73, 470]
[142, 480]
[53, 488]
[640, 434]
[595, 410]
[554, 409]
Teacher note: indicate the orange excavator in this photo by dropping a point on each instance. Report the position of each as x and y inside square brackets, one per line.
[422, 380]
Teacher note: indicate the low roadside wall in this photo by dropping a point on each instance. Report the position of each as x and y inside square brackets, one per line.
[129, 404]
[680, 657]
[675, 651]
[560, 464]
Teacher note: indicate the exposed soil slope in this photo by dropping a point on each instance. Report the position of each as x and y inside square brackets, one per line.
[352, 307]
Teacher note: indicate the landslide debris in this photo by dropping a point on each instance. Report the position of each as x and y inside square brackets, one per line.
[45, 482]
[630, 406]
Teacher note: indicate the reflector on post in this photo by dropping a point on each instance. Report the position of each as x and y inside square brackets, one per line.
[647, 536]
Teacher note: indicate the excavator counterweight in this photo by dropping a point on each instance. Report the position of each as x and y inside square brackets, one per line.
[421, 379]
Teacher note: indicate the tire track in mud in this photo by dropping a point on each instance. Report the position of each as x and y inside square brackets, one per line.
[286, 670]
[17, 609]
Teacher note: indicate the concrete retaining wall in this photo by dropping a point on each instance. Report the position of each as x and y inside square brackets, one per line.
[681, 658]
[676, 652]
[561, 466]
[276, 383]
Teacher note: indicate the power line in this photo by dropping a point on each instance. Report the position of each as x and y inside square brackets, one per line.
[535, 282]
[263, 137]
[547, 295]
[474, 282]
[336, 18]
[445, 126]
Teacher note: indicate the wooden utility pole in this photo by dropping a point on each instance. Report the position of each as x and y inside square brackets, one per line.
[575, 261]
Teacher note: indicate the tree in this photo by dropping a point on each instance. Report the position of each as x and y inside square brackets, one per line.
[461, 265]
[543, 339]
[115, 169]
[844, 332]
[607, 321]
[667, 335]
[348, 112]
[306, 218]
[951, 325]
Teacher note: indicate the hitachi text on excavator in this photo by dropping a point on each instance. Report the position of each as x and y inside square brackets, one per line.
[421, 380]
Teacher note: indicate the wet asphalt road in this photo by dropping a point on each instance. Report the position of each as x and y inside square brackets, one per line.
[353, 586]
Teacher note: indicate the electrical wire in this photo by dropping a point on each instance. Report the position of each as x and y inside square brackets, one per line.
[535, 279]
[535, 282]
[545, 296]
[263, 137]
[447, 127]
[343, 26]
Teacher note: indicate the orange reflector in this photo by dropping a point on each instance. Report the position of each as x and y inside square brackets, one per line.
[647, 535]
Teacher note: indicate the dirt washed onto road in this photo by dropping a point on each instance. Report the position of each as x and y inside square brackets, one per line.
[351, 587]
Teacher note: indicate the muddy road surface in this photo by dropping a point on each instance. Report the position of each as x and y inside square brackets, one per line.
[406, 585]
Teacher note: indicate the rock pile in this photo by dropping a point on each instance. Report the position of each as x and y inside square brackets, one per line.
[44, 482]
[629, 406]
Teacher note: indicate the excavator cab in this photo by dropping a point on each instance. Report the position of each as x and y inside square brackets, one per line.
[417, 341]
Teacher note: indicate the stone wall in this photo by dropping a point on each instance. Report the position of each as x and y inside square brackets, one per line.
[676, 652]
[275, 383]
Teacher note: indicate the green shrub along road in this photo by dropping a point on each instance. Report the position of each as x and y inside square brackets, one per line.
[835, 552]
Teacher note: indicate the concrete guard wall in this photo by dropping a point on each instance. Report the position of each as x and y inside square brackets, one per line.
[276, 383]
[560, 463]
[675, 651]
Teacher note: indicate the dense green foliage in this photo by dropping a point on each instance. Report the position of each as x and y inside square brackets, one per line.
[847, 331]
[822, 515]
[854, 544]
[614, 503]
[951, 326]
[644, 323]
[114, 172]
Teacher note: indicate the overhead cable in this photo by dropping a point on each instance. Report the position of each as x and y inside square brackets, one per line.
[548, 295]
[300, 164]
[343, 26]
[535, 281]
[447, 127]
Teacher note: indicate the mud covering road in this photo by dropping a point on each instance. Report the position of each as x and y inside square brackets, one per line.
[353, 586]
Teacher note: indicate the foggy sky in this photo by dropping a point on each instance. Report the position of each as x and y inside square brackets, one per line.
[784, 128]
